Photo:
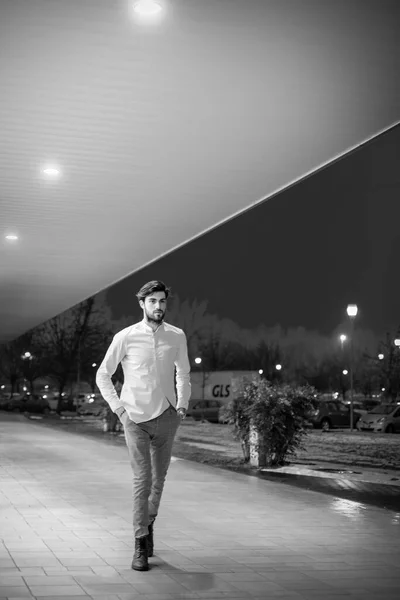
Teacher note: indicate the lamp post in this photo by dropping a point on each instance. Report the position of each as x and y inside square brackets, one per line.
[27, 357]
[93, 378]
[352, 310]
[199, 361]
[342, 338]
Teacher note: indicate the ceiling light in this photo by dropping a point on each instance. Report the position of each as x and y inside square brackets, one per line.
[51, 171]
[147, 8]
[11, 237]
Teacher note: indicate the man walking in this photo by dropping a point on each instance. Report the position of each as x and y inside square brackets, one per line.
[149, 352]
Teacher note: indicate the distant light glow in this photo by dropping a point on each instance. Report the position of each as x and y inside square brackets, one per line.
[381, 356]
[12, 237]
[3, 387]
[278, 367]
[345, 372]
[343, 338]
[197, 361]
[397, 342]
[383, 389]
[147, 8]
[261, 371]
[94, 364]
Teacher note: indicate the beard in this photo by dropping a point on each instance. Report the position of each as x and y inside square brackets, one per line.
[157, 319]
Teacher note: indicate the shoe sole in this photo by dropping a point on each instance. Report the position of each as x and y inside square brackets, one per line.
[140, 568]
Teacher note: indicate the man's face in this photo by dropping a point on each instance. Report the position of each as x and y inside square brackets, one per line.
[154, 307]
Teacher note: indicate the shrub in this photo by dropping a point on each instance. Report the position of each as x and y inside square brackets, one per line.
[275, 413]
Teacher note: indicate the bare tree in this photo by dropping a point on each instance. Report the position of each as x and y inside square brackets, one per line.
[191, 316]
[389, 366]
[67, 338]
[10, 364]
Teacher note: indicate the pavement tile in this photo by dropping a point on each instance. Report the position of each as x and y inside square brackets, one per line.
[6, 563]
[58, 597]
[14, 591]
[56, 591]
[103, 588]
[240, 576]
[61, 580]
[11, 580]
[73, 561]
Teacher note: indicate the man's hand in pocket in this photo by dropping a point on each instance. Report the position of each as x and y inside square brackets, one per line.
[121, 414]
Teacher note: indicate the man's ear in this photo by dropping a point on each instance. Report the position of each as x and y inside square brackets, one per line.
[141, 303]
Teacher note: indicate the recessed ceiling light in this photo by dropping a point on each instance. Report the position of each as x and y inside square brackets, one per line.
[147, 8]
[11, 237]
[51, 171]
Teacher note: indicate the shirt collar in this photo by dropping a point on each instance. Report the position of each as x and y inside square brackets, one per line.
[147, 327]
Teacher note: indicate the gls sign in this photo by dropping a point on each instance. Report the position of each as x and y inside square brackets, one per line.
[221, 390]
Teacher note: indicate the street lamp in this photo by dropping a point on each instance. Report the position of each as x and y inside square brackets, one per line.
[352, 310]
[345, 372]
[397, 342]
[197, 361]
[94, 365]
[278, 367]
[261, 371]
[381, 356]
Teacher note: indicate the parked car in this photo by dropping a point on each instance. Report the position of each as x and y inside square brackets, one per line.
[66, 403]
[363, 405]
[328, 414]
[209, 410]
[383, 418]
[4, 400]
[96, 407]
[357, 405]
[28, 403]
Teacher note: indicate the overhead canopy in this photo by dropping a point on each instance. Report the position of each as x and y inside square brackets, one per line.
[162, 130]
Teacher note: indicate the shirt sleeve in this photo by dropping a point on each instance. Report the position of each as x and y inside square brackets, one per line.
[183, 385]
[113, 357]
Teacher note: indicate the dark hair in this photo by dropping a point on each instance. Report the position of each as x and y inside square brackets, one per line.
[152, 286]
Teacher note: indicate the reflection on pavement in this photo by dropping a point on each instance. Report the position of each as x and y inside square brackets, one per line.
[348, 508]
[396, 519]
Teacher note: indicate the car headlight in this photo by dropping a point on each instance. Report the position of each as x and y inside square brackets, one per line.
[381, 420]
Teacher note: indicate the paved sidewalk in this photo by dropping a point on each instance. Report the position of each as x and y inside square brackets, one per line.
[65, 530]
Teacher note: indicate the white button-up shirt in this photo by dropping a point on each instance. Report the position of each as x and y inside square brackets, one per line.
[148, 360]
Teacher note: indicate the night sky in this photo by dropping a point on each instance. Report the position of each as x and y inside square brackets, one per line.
[299, 258]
